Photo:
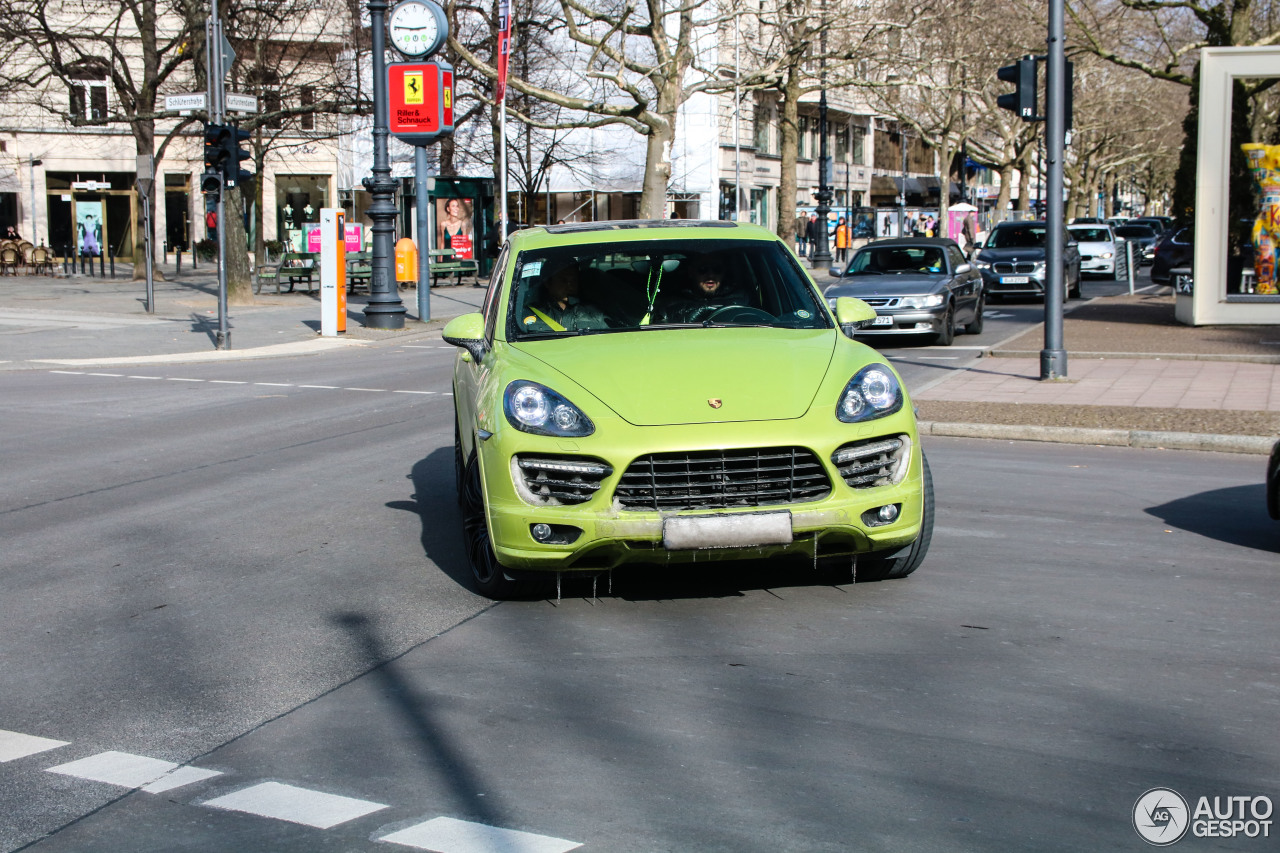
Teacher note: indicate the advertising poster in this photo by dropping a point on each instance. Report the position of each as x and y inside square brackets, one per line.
[89, 227]
[454, 226]
[354, 236]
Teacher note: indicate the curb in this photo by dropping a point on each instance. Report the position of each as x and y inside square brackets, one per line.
[1252, 444]
[1158, 356]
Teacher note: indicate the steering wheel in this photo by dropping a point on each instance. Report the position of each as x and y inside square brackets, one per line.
[740, 314]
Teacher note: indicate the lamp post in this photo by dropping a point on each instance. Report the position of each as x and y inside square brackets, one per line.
[384, 310]
[822, 250]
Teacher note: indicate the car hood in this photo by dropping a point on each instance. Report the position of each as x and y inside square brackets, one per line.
[885, 285]
[664, 377]
[1025, 253]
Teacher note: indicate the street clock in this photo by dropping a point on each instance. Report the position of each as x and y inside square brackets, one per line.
[418, 28]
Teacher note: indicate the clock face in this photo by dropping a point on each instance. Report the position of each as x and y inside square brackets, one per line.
[417, 28]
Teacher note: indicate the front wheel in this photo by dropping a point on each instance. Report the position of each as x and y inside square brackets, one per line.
[904, 561]
[948, 333]
[487, 573]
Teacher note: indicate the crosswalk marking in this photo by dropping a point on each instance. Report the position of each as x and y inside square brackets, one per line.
[295, 805]
[179, 777]
[15, 745]
[117, 768]
[449, 835]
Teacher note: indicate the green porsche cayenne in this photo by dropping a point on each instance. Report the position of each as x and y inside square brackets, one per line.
[653, 392]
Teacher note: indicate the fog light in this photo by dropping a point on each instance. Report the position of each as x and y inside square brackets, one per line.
[888, 513]
[880, 516]
[924, 325]
[554, 534]
[541, 532]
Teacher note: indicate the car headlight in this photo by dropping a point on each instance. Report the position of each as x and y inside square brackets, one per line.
[982, 265]
[535, 408]
[1105, 256]
[1040, 268]
[922, 301]
[872, 393]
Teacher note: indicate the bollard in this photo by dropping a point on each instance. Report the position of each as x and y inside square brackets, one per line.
[113, 265]
[66, 253]
[1128, 263]
[82, 263]
[177, 257]
[102, 265]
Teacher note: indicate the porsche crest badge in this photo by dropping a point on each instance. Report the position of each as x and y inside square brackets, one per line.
[715, 402]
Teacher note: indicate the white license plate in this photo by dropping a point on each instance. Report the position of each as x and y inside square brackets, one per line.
[1015, 279]
[740, 530]
[882, 321]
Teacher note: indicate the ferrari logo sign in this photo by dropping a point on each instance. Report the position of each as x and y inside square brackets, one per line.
[421, 100]
[413, 92]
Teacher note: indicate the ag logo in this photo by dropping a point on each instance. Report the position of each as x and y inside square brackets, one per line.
[1161, 816]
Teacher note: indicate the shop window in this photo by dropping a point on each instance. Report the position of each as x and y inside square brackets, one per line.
[298, 202]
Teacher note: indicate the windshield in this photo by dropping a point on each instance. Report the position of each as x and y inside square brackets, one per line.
[634, 286]
[897, 260]
[1135, 231]
[1091, 235]
[1021, 237]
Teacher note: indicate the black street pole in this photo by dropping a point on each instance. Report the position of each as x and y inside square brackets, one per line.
[384, 310]
[822, 250]
[1053, 358]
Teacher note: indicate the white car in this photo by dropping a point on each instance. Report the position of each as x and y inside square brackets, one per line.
[1098, 250]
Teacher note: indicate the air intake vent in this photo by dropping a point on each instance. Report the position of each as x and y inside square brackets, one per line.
[865, 464]
[558, 480]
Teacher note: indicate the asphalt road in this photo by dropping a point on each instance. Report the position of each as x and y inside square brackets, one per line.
[217, 566]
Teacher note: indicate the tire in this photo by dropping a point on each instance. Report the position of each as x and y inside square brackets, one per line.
[904, 561]
[975, 327]
[487, 573]
[948, 334]
[459, 466]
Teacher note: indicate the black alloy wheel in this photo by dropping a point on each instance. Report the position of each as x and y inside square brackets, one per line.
[948, 333]
[974, 327]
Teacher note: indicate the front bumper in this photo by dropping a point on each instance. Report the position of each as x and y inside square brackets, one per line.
[1019, 284]
[912, 321]
[612, 536]
[1098, 266]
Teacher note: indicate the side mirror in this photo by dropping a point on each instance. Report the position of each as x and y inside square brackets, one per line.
[467, 332]
[963, 268]
[853, 313]
[834, 271]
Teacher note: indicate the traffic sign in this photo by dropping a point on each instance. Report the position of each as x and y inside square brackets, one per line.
[421, 100]
[240, 103]
[184, 103]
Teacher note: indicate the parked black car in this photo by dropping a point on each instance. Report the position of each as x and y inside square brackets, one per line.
[918, 285]
[1012, 260]
[1175, 249]
[1144, 236]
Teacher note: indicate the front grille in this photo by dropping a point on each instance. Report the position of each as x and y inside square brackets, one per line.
[881, 301]
[552, 480]
[1021, 267]
[864, 464]
[721, 479]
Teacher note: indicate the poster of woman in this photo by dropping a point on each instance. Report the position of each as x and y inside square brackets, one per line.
[89, 227]
[453, 226]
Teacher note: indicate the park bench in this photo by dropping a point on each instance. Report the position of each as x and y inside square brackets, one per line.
[359, 270]
[445, 262]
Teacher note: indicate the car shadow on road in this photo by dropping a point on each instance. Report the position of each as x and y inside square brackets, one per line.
[434, 501]
[1236, 515]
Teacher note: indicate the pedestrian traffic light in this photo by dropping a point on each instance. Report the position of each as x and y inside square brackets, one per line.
[211, 183]
[232, 174]
[1022, 100]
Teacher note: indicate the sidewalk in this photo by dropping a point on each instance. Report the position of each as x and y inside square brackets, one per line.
[46, 322]
[1135, 376]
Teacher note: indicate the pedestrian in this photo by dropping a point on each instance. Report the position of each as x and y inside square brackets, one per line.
[842, 241]
[800, 224]
[11, 233]
[929, 225]
[966, 233]
[811, 233]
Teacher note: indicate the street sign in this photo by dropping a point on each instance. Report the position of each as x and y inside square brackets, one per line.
[240, 103]
[228, 54]
[184, 103]
[420, 100]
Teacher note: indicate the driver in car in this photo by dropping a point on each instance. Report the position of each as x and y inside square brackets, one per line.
[703, 294]
[559, 308]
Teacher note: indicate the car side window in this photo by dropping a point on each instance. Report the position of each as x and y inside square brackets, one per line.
[491, 301]
[956, 257]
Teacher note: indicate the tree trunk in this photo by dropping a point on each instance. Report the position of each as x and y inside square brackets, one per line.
[789, 119]
[1006, 189]
[1024, 181]
[239, 281]
[657, 166]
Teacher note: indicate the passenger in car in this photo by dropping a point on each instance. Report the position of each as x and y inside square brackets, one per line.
[558, 306]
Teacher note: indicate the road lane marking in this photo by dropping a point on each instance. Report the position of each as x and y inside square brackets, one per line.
[69, 372]
[116, 768]
[449, 835]
[228, 382]
[118, 375]
[144, 377]
[379, 390]
[413, 392]
[276, 384]
[295, 805]
[261, 384]
[15, 745]
[180, 379]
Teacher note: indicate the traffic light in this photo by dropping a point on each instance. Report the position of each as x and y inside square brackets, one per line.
[232, 174]
[215, 155]
[1022, 100]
